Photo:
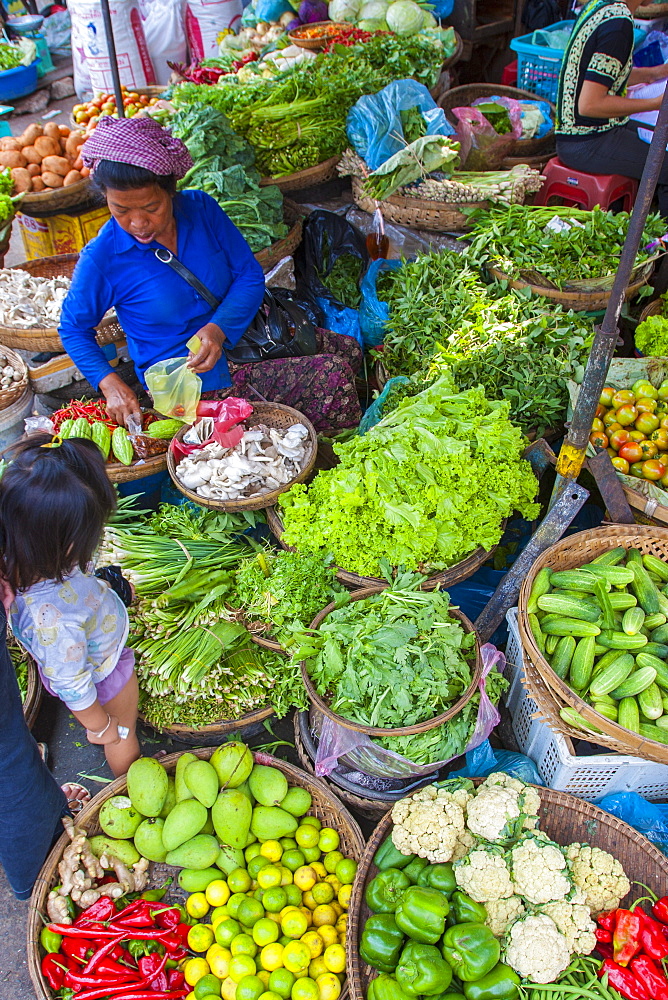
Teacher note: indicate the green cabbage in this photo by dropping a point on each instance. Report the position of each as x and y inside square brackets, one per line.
[373, 10]
[344, 10]
[372, 24]
[404, 17]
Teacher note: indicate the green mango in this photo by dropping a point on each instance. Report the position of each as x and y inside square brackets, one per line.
[272, 823]
[245, 788]
[196, 880]
[148, 840]
[148, 785]
[199, 852]
[184, 822]
[229, 859]
[231, 814]
[201, 778]
[170, 801]
[118, 818]
[124, 850]
[182, 790]
[297, 801]
[268, 785]
[208, 826]
[233, 762]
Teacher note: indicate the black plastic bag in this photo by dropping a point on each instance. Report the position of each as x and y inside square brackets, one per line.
[325, 238]
[281, 329]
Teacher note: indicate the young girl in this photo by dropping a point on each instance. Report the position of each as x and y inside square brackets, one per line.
[55, 498]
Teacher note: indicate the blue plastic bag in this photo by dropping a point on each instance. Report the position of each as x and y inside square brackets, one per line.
[484, 760]
[340, 319]
[442, 8]
[374, 413]
[649, 818]
[374, 123]
[374, 313]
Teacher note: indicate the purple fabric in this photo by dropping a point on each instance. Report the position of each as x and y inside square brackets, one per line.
[140, 142]
[118, 678]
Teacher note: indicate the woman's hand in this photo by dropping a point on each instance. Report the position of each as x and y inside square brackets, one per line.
[212, 339]
[121, 400]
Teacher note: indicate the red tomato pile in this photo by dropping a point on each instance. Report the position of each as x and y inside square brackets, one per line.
[632, 424]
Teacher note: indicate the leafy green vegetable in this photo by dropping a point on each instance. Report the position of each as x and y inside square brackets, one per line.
[431, 482]
[19, 657]
[343, 279]
[651, 336]
[418, 160]
[6, 182]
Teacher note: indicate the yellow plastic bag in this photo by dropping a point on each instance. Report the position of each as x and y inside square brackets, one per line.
[175, 389]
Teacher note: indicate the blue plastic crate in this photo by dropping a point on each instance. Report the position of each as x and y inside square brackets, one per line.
[538, 66]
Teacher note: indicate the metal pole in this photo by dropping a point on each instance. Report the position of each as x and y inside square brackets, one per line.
[113, 62]
[572, 454]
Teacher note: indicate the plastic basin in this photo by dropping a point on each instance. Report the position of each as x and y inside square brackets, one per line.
[18, 82]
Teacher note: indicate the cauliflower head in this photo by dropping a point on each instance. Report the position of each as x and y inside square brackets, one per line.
[462, 790]
[574, 921]
[536, 949]
[428, 824]
[539, 869]
[528, 799]
[598, 875]
[465, 843]
[494, 815]
[501, 912]
[484, 874]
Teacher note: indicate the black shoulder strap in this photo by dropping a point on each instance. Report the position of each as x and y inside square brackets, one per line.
[168, 258]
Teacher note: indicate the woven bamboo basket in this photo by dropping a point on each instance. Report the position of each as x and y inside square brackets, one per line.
[456, 55]
[653, 308]
[37, 203]
[270, 256]
[646, 510]
[34, 692]
[46, 338]
[213, 735]
[554, 693]
[326, 806]
[119, 473]
[16, 389]
[420, 213]
[274, 415]
[446, 578]
[418, 727]
[463, 97]
[314, 44]
[564, 819]
[590, 301]
[535, 162]
[307, 178]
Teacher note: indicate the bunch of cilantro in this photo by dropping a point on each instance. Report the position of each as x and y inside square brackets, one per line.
[431, 482]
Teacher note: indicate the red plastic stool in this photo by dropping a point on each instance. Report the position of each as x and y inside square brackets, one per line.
[573, 187]
[509, 74]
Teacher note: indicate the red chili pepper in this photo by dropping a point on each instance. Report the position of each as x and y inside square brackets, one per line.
[104, 951]
[150, 964]
[623, 981]
[76, 949]
[102, 977]
[654, 941]
[660, 909]
[171, 941]
[53, 970]
[98, 991]
[607, 920]
[169, 919]
[604, 950]
[175, 979]
[182, 930]
[627, 936]
[603, 935]
[102, 910]
[650, 975]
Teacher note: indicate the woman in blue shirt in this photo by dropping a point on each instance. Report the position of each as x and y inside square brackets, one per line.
[136, 163]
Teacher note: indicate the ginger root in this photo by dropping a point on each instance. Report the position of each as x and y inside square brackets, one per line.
[56, 908]
[90, 896]
[140, 870]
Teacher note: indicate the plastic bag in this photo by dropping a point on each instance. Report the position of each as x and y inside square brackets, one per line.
[134, 63]
[57, 29]
[374, 124]
[481, 146]
[175, 388]
[485, 760]
[217, 420]
[649, 818]
[358, 751]
[374, 313]
[374, 413]
[525, 106]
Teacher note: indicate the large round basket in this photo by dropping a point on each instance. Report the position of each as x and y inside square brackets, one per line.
[314, 44]
[420, 213]
[16, 389]
[140, 469]
[307, 178]
[274, 415]
[564, 819]
[37, 203]
[553, 694]
[5, 237]
[270, 256]
[446, 578]
[456, 55]
[646, 510]
[653, 308]
[326, 806]
[587, 301]
[46, 338]
[213, 735]
[418, 727]
[152, 91]
[463, 97]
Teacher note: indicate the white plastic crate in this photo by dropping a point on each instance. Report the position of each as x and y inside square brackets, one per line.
[587, 777]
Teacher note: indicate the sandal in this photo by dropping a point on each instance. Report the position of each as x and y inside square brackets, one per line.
[77, 796]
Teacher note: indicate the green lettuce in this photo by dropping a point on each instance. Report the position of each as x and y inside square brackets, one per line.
[652, 336]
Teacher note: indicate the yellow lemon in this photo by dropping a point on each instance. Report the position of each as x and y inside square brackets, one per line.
[310, 821]
[272, 850]
[217, 892]
[270, 995]
[338, 909]
[265, 932]
[307, 836]
[228, 990]
[240, 966]
[328, 934]
[335, 958]
[304, 878]
[305, 989]
[271, 956]
[197, 905]
[217, 915]
[269, 876]
[322, 892]
[194, 969]
[263, 976]
[314, 942]
[296, 956]
[294, 924]
[342, 924]
[328, 840]
[307, 913]
[331, 861]
[276, 917]
[334, 881]
[317, 967]
[319, 869]
[219, 960]
[286, 875]
[325, 914]
[345, 892]
[200, 937]
[329, 986]
[308, 900]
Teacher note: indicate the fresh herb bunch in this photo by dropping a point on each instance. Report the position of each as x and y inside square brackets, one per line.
[651, 336]
[431, 482]
[413, 124]
[515, 239]
[343, 280]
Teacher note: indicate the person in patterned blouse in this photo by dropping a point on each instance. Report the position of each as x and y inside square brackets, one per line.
[593, 130]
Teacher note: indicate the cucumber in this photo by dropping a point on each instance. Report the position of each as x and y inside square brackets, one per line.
[654, 731]
[574, 579]
[571, 626]
[644, 589]
[628, 715]
[604, 604]
[612, 676]
[608, 657]
[633, 621]
[561, 660]
[609, 558]
[663, 603]
[582, 662]
[605, 699]
[573, 718]
[660, 634]
[540, 586]
[649, 660]
[633, 556]
[616, 576]
[537, 632]
[650, 702]
[607, 710]
[621, 600]
[662, 723]
[620, 640]
[551, 643]
[653, 622]
[599, 650]
[659, 649]
[664, 702]
[635, 683]
[569, 608]
[657, 566]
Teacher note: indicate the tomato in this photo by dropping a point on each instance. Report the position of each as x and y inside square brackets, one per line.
[653, 470]
[618, 438]
[631, 451]
[646, 422]
[611, 452]
[627, 414]
[610, 418]
[663, 390]
[664, 422]
[623, 396]
[611, 428]
[645, 388]
[646, 405]
[620, 464]
[605, 399]
[664, 481]
[598, 440]
[636, 470]
[649, 449]
[637, 435]
[597, 425]
[660, 437]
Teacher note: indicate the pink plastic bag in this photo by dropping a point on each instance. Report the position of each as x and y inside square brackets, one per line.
[362, 754]
[227, 415]
[481, 146]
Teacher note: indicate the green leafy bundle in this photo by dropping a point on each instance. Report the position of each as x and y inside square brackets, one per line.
[651, 336]
[431, 482]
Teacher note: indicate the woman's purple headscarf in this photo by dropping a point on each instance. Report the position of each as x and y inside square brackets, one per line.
[140, 142]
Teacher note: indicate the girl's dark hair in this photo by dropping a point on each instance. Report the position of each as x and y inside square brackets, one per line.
[126, 177]
[54, 503]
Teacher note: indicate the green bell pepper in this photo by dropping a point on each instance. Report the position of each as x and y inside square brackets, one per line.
[387, 856]
[422, 970]
[502, 983]
[421, 914]
[472, 951]
[50, 941]
[381, 942]
[414, 868]
[384, 892]
[466, 910]
[441, 877]
[385, 987]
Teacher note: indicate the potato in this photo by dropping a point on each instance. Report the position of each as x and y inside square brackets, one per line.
[72, 178]
[38, 184]
[12, 159]
[64, 130]
[9, 143]
[31, 133]
[46, 146]
[51, 179]
[52, 130]
[22, 180]
[85, 171]
[77, 164]
[34, 169]
[31, 154]
[56, 165]
[74, 140]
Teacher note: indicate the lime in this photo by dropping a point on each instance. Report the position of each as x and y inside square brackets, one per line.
[239, 880]
[240, 966]
[200, 937]
[269, 876]
[310, 821]
[305, 989]
[311, 854]
[323, 892]
[287, 843]
[328, 840]
[207, 985]
[294, 894]
[256, 863]
[281, 981]
[234, 902]
[345, 871]
[226, 931]
[249, 988]
[307, 836]
[331, 861]
[265, 931]
[274, 899]
[251, 852]
[270, 996]
[243, 944]
[296, 957]
[294, 924]
[251, 910]
[293, 859]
